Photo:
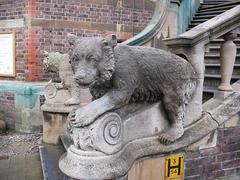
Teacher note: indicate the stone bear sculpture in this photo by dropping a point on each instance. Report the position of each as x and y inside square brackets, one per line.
[119, 74]
[60, 63]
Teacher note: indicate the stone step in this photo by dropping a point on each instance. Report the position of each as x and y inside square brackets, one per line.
[206, 11]
[218, 65]
[217, 49]
[216, 57]
[209, 7]
[217, 52]
[208, 82]
[209, 89]
[198, 21]
[202, 18]
[192, 25]
[217, 61]
[212, 3]
[216, 12]
[214, 80]
[217, 1]
[50, 155]
[215, 69]
[206, 96]
[224, 7]
[218, 42]
[218, 76]
[208, 92]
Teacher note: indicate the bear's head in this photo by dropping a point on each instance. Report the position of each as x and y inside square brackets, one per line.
[92, 59]
[51, 61]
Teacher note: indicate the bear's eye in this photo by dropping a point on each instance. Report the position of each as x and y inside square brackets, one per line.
[74, 58]
[90, 58]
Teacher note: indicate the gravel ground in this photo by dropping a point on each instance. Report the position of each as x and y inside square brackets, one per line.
[13, 144]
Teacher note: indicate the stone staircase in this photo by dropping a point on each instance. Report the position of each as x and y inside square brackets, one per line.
[206, 11]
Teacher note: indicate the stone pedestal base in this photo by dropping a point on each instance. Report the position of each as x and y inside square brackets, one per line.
[55, 113]
[54, 125]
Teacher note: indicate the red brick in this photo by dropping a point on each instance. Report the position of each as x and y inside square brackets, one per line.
[210, 151]
[200, 161]
[30, 56]
[193, 171]
[230, 147]
[192, 154]
[34, 67]
[226, 156]
[231, 164]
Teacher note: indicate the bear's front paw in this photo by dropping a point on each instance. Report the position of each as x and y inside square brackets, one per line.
[171, 135]
[82, 117]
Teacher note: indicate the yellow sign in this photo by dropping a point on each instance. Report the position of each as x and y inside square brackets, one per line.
[174, 166]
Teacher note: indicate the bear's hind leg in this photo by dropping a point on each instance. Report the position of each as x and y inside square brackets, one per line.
[75, 93]
[176, 112]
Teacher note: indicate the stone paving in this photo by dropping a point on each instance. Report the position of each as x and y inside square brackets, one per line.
[22, 167]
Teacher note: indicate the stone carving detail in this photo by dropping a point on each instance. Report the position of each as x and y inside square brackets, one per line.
[118, 75]
[105, 135]
[60, 63]
[139, 93]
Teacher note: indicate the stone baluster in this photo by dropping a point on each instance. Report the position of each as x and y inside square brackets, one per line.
[227, 59]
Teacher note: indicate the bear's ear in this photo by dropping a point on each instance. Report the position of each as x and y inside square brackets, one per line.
[72, 38]
[110, 41]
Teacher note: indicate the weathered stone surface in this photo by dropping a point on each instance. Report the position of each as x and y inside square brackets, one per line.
[228, 54]
[11, 23]
[2, 126]
[120, 74]
[54, 125]
[84, 164]
[60, 63]
[110, 132]
[127, 81]
[125, 121]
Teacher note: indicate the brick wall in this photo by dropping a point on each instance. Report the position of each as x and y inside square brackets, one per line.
[47, 23]
[112, 13]
[220, 161]
[11, 9]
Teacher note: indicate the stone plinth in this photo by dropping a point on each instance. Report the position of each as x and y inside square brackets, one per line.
[55, 113]
[2, 126]
[54, 125]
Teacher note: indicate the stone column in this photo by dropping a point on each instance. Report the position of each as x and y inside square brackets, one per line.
[228, 53]
[195, 55]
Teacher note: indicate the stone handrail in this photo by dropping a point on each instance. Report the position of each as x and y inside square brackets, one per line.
[162, 22]
[157, 21]
[208, 30]
[191, 45]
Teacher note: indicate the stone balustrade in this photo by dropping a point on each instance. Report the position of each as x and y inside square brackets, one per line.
[191, 45]
[228, 53]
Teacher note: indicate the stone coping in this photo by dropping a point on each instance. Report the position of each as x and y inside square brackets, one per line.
[151, 29]
[209, 30]
[79, 165]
